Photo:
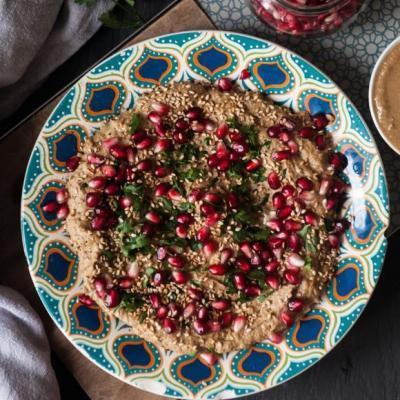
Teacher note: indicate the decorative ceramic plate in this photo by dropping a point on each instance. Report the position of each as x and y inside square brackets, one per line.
[114, 85]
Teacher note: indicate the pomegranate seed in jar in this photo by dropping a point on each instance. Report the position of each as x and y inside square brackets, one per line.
[225, 84]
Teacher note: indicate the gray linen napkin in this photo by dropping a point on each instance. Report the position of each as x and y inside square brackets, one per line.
[36, 36]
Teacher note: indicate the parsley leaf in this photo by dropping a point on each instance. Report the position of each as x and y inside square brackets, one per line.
[130, 302]
[135, 122]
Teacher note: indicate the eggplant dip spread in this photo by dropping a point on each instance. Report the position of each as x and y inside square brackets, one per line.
[207, 218]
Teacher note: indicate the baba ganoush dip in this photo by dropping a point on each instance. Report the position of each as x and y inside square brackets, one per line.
[386, 96]
[206, 218]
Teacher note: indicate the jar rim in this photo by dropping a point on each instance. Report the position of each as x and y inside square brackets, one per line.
[312, 9]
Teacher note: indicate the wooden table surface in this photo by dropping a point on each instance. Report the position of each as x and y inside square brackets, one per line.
[365, 365]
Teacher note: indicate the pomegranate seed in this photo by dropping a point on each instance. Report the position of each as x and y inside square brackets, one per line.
[145, 143]
[159, 277]
[213, 160]
[340, 226]
[95, 159]
[320, 121]
[225, 84]
[226, 319]
[338, 186]
[154, 118]
[161, 171]
[198, 126]
[51, 207]
[72, 163]
[284, 212]
[160, 108]
[214, 326]
[179, 277]
[272, 266]
[284, 136]
[98, 222]
[125, 282]
[132, 269]
[257, 246]
[331, 202]
[295, 260]
[252, 290]
[162, 312]
[181, 231]
[207, 209]
[338, 161]
[232, 200]
[222, 131]
[148, 229]
[266, 255]
[293, 226]
[118, 152]
[153, 217]
[274, 131]
[306, 132]
[288, 191]
[202, 313]
[181, 125]
[293, 146]
[287, 319]
[288, 123]
[311, 218]
[112, 298]
[189, 310]
[173, 194]
[223, 165]
[295, 304]
[85, 299]
[274, 180]
[276, 337]
[275, 242]
[194, 294]
[112, 189]
[226, 254]
[245, 74]
[255, 260]
[176, 261]
[240, 149]
[238, 323]
[334, 241]
[100, 286]
[221, 305]
[305, 184]
[217, 269]
[213, 198]
[273, 281]
[274, 224]
[212, 219]
[162, 145]
[195, 195]
[245, 248]
[62, 212]
[236, 136]
[200, 327]
[222, 151]
[203, 234]
[155, 300]
[138, 135]
[210, 125]
[278, 201]
[109, 142]
[243, 264]
[109, 171]
[161, 253]
[162, 189]
[181, 137]
[98, 182]
[320, 142]
[239, 280]
[209, 248]
[281, 155]
[169, 325]
[145, 165]
[194, 113]
[175, 310]
[184, 218]
[253, 165]
[292, 277]
[61, 196]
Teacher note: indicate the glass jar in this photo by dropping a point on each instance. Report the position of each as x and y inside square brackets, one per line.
[307, 17]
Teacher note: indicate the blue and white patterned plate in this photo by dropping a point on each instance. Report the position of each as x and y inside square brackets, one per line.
[114, 85]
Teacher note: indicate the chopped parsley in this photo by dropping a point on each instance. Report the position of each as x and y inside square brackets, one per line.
[135, 122]
[130, 302]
